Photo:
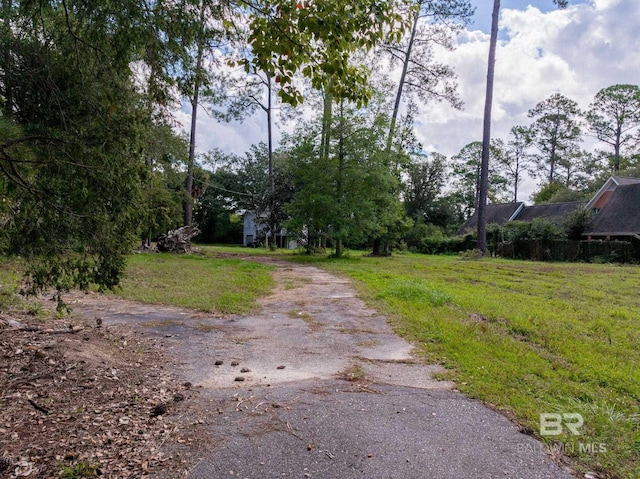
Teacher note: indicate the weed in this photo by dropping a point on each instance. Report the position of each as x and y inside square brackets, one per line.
[163, 322]
[208, 327]
[10, 298]
[242, 339]
[352, 373]
[471, 255]
[79, 470]
[290, 284]
[313, 323]
[356, 331]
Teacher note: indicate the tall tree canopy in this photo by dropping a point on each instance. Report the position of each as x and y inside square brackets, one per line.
[317, 39]
[432, 23]
[466, 171]
[513, 158]
[425, 180]
[555, 132]
[614, 117]
[348, 196]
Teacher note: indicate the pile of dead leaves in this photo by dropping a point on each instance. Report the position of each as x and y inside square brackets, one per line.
[81, 400]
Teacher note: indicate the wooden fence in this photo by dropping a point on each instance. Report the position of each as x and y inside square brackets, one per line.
[566, 250]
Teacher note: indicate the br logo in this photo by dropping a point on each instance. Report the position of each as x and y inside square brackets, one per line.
[553, 424]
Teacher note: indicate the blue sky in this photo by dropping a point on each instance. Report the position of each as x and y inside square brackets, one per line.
[484, 8]
[576, 52]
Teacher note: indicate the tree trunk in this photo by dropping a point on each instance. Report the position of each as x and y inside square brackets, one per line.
[177, 241]
[272, 183]
[340, 178]
[7, 106]
[188, 205]
[405, 67]
[616, 157]
[552, 161]
[486, 133]
[325, 138]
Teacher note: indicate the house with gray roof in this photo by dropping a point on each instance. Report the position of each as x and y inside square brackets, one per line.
[554, 212]
[618, 215]
[506, 212]
[498, 214]
[615, 211]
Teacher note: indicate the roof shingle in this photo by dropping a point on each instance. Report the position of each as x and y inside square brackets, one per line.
[621, 214]
[496, 214]
[553, 211]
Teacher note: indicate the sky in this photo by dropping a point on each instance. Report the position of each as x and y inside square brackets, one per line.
[577, 51]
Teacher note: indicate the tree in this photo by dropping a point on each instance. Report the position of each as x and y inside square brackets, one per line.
[163, 182]
[575, 169]
[204, 35]
[425, 180]
[74, 135]
[433, 23]
[614, 116]
[555, 132]
[348, 196]
[263, 81]
[546, 192]
[513, 158]
[486, 127]
[242, 182]
[466, 171]
[483, 180]
[318, 39]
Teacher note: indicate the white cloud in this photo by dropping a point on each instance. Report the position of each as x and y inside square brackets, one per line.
[231, 137]
[575, 52]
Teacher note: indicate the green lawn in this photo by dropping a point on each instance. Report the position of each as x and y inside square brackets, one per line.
[226, 285]
[528, 338]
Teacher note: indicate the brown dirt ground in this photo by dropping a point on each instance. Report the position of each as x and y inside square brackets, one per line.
[75, 394]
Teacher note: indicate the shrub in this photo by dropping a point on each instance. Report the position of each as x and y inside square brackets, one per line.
[440, 245]
[545, 230]
[576, 223]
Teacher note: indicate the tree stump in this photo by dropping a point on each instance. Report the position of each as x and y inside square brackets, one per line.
[178, 240]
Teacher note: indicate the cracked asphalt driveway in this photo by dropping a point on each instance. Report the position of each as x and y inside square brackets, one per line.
[316, 384]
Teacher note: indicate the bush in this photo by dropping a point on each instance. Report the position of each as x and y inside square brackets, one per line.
[545, 230]
[419, 232]
[576, 223]
[540, 229]
[441, 245]
[516, 231]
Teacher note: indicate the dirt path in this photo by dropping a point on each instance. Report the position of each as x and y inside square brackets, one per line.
[316, 384]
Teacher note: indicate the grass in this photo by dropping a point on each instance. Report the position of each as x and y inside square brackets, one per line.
[224, 285]
[528, 338]
[352, 373]
[79, 470]
[11, 275]
[312, 323]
